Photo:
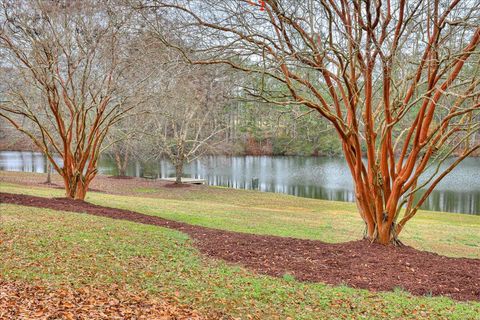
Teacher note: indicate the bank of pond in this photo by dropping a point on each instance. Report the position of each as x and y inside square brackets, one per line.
[312, 177]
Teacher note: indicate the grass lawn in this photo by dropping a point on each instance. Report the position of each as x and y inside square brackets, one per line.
[449, 234]
[58, 248]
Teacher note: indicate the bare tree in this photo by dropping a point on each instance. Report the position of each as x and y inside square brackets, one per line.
[398, 80]
[65, 61]
[184, 121]
[125, 140]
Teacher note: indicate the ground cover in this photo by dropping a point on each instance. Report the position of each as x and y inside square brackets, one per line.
[358, 264]
[449, 234]
[169, 266]
[55, 248]
[19, 300]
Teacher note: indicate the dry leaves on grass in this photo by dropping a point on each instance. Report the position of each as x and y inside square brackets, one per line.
[24, 301]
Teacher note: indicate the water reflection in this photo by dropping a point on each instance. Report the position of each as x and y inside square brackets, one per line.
[311, 177]
[23, 161]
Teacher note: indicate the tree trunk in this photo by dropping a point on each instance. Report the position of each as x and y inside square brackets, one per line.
[178, 172]
[382, 234]
[81, 192]
[379, 227]
[121, 160]
[75, 187]
[49, 172]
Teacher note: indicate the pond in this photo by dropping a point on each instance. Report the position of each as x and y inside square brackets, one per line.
[311, 177]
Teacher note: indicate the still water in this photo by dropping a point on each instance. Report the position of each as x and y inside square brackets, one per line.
[311, 177]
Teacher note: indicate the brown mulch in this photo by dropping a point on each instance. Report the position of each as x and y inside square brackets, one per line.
[19, 300]
[177, 185]
[358, 264]
[120, 177]
[108, 184]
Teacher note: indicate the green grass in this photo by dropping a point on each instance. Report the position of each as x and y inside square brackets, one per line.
[448, 234]
[58, 248]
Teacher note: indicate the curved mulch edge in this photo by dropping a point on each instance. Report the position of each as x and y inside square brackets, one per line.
[358, 264]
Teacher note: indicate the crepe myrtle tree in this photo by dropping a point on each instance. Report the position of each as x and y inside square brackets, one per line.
[122, 150]
[125, 141]
[64, 61]
[398, 80]
[185, 121]
[122, 141]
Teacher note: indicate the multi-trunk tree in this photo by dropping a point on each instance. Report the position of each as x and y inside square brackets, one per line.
[186, 114]
[64, 62]
[398, 80]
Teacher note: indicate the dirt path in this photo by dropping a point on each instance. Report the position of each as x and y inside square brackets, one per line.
[358, 264]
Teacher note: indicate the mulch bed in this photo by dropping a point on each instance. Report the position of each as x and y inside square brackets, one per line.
[177, 185]
[120, 177]
[358, 264]
[25, 301]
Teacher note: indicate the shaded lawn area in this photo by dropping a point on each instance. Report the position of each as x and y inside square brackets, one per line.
[64, 248]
